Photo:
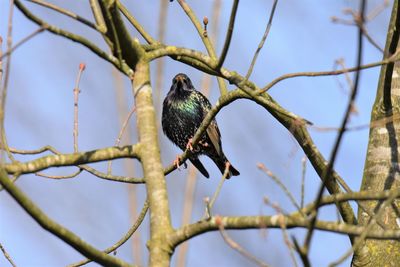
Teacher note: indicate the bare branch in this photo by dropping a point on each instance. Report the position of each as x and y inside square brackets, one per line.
[228, 34]
[278, 181]
[67, 13]
[210, 204]
[207, 43]
[278, 209]
[59, 177]
[121, 132]
[122, 179]
[303, 178]
[339, 137]
[162, 25]
[22, 41]
[98, 16]
[56, 229]
[73, 159]
[261, 44]
[235, 245]
[135, 23]
[7, 256]
[76, 99]
[391, 59]
[290, 221]
[76, 38]
[187, 212]
[125, 238]
[3, 137]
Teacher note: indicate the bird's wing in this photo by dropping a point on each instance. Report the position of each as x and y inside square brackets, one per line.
[212, 130]
[214, 135]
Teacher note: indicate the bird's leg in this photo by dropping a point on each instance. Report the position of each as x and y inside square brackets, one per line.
[205, 144]
[177, 162]
[227, 165]
[189, 144]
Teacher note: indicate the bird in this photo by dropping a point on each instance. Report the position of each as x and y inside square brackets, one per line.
[184, 109]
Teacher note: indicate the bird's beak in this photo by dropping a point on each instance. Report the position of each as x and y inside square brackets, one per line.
[179, 81]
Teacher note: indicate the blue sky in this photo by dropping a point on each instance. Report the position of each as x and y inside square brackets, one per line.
[39, 112]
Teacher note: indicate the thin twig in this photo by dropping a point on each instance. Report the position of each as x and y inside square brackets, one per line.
[391, 59]
[228, 34]
[377, 10]
[22, 41]
[3, 96]
[122, 179]
[121, 132]
[76, 99]
[281, 219]
[261, 44]
[370, 39]
[65, 12]
[235, 245]
[34, 151]
[130, 232]
[335, 149]
[59, 177]
[7, 256]
[162, 25]
[187, 212]
[124, 125]
[210, 205]
[206, 41]
[278, 181]
[303, 178]
[341, 63]
[377, 123]
[357, 22]
[135, 23]
[304, 257]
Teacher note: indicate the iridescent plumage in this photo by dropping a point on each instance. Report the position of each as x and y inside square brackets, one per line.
[184, 109]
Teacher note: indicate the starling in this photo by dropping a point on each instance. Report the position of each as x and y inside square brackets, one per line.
[184, 109]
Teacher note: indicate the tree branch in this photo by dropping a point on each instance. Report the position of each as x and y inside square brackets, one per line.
[73, 159]
[74, 37]
[125, 238]
[228, 34]
[48, 224]
[275, 221]
[67, 13]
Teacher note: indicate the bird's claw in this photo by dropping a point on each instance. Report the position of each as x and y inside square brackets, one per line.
[227, 165]
[177, 163]
[189, 145]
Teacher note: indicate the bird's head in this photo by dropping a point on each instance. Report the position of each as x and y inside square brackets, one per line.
[181, 82]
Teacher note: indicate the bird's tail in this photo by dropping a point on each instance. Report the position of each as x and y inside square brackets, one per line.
[197, 163]
[221, 163]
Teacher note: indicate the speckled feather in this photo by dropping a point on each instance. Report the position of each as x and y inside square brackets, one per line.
[184, 109]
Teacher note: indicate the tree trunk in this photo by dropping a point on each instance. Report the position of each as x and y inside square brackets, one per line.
[381, 171]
